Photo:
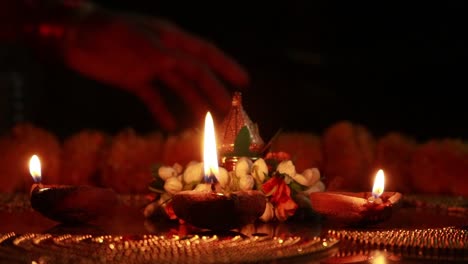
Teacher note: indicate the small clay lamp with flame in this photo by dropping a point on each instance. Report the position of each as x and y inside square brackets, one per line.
[360, 208]
[69, 204]
[211, 208]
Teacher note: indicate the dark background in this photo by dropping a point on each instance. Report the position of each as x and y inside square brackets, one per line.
[388, 67]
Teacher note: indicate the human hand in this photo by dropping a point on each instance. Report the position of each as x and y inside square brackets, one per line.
[134, 52]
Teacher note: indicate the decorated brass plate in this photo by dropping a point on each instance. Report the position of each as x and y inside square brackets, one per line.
[48, 248]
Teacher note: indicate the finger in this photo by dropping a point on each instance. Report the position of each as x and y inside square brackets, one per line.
[186, 91]
[207, 82]
[157, 107]
[176, 39]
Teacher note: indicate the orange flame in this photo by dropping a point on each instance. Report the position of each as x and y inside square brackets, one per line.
[35, 168]
[210, 157]
[379, 184]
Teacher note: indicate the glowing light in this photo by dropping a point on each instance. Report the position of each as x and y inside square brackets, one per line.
[379, 184]
[210, 156]
[35, 168]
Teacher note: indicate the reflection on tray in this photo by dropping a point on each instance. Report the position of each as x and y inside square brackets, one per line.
[48, 248]
[447, 243]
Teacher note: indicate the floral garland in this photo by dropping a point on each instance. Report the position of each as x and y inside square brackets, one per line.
[275, 175]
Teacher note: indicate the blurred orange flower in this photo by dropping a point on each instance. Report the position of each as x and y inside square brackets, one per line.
[278, 156]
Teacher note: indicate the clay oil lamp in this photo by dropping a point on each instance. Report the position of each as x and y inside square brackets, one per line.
[208, 206]
[67, 203]
[357, 208]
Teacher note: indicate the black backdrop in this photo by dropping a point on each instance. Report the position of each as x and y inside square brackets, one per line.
[312, 64]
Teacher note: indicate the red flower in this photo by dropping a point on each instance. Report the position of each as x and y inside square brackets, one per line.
[278, 156]
[272, 159]
[169, 210]
[280, 197]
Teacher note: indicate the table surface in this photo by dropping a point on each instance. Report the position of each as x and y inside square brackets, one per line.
[130, 221]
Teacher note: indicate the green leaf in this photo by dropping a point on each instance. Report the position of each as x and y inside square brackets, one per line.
[268, 145]
[242, 143]
[157, 185]
[272, 163]
[281, 175]
[155, 170]
[155, 190]
[297, 187]
[267, 177]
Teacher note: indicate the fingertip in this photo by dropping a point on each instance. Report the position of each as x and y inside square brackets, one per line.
[157, 107]
[237, 76]
[244, 80]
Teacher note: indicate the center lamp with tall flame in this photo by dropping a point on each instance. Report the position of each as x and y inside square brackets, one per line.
[67, 203]
[356, 208]
[211, 207]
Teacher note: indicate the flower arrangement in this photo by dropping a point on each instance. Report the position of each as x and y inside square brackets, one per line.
[274, 174]
[244, 168]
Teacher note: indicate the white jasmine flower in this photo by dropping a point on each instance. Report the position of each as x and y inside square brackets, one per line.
[312, 175]
[288, 179]
[243, 167]
[203, 187]
[233, 182]
[317, 187]
[191, 163]
[178, 168]
[194, 172]
[308, 178]
[173, 185]
[299, 178]
[260, 169]
[286, 167]
[269, 213]
[223, 177]
[246, 182]
[166, 172]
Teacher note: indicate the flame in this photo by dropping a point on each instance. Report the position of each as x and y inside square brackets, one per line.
[35, 168]
[379, 184]
[210, 157]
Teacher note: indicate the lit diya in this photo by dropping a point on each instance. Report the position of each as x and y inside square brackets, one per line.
[66, 203]
[357, 208]
[209, 207]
